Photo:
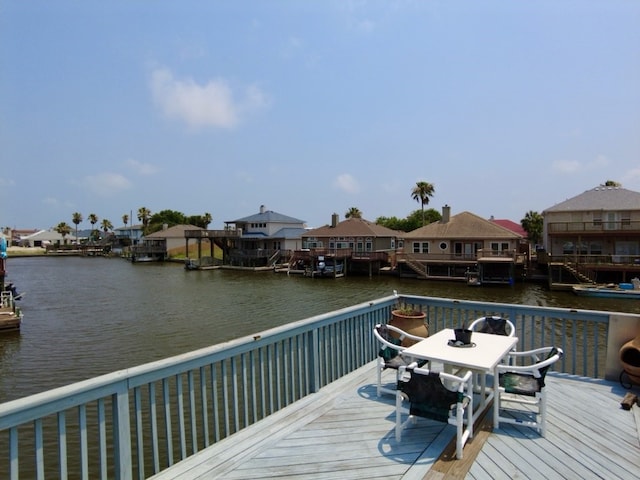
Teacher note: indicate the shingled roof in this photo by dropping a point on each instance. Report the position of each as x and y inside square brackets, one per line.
[354, 227]
[462, 225]
[600, 198]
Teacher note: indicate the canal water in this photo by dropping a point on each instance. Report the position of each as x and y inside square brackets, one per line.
[89, 316]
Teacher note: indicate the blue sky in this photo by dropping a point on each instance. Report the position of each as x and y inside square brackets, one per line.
[313, 107]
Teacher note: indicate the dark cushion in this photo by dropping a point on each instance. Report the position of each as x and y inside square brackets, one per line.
[428, 397]
[520, 383]
[494, 325]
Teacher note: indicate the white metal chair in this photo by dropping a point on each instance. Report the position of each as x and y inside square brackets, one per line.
[524, 385]
[390, 353]
[493, 324]
[430, 398]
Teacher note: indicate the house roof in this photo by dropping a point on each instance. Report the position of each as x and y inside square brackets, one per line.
[354, 227]
[177, 231]
[600, 198]
[267, 216]
[510, 225]
[463, 225]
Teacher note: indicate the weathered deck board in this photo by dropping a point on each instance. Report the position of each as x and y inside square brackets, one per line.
[345, 431]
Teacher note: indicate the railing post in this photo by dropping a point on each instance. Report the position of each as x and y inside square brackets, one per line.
[313, 352]
[122, 433]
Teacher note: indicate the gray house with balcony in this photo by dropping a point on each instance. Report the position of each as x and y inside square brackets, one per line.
[595, 236]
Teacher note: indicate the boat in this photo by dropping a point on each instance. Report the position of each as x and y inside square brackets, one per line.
[621, 290]
[10, 315]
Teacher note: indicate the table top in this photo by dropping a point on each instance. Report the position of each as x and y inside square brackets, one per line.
[489, 349]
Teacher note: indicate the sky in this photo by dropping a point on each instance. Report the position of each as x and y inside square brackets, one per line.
[312, 107]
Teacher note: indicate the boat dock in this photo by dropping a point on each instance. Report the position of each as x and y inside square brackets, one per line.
[346, 432]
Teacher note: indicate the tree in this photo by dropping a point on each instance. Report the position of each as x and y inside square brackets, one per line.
[207, 218]
[76, 219]
[612, 183]
[106, 225]
[532, 224]
[63, 229]
[93, 219]
[143, 216]
[353, 212]
[412, 222]
[125, 220]
[421, 194]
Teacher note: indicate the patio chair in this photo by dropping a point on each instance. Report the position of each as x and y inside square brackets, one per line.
[493, 324]
[390, 353]
[430, 398]
[524, 385]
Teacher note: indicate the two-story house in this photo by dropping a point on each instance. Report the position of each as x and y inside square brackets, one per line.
[595, 236]
[463, 247]
[354, 244]
[264, 238]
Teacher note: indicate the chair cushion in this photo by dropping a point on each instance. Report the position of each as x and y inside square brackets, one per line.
[387, 353]
[428, 397]
[494, 325]
[521, 383]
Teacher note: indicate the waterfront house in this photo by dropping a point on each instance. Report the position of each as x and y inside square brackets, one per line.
[173, 238]
[594, 236]
[456, 245]
[264, 238]
[362, 245]
[43, 238]
[129, 234]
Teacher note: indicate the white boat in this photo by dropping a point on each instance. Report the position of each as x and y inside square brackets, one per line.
[621, 290]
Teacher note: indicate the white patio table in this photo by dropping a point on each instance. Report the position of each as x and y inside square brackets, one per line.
[483, 356]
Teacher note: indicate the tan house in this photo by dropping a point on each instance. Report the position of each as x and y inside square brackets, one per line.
[356, 244]
[463, 247]
[594, 235]
[165, 243]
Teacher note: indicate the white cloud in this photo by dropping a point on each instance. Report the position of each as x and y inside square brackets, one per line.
[346, 183]
[566, 166]
[142, 168]
[209, 105]
[572, 166]
[106, 183]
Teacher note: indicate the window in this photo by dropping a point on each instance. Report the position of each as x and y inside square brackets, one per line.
[625, 219]
[443, 245]
[420, 247]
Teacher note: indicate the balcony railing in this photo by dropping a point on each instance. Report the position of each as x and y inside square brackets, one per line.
[609, 227]
[135, 422]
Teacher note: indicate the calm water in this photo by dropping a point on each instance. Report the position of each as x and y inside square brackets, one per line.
[89, 316]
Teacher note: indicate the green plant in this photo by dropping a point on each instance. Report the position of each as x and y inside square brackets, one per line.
[407, 310]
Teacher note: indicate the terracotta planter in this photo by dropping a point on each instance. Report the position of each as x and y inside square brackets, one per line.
[630, 359]
[413, 324]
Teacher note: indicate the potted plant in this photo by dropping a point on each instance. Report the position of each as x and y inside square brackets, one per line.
[411, 320]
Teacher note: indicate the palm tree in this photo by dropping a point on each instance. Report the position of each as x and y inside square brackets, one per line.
[106, 225]
[93, 219]
[143, 215]
[421, 193]
[64, 230]
[77, 219]
[532, 224]
[125, 220]
[353, 212]
[207, 219]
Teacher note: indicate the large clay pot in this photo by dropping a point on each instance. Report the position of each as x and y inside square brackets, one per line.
[630, 359]
[413, 324]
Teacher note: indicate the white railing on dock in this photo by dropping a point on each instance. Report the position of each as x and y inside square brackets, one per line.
[136, 422]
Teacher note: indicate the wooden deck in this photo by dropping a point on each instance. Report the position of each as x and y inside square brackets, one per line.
[345, 431]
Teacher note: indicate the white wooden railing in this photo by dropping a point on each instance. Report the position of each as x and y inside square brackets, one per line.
[135, 422]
